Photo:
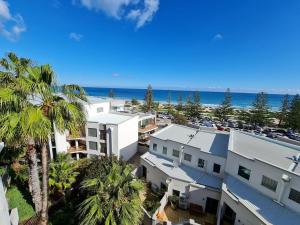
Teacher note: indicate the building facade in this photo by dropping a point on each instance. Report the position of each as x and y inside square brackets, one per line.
[106, 133]
[240, 178]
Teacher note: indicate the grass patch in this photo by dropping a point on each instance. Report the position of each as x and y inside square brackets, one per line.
[17, 200]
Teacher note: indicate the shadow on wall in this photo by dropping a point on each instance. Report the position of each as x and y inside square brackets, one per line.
[127, 152]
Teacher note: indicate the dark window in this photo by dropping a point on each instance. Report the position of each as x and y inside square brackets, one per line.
[294, 195]
[201, 163]
[269, 183]
[93, 145]
[176, 193]
[92, 132]
[165, 150]
[103, 134]
[154, 147]
[244, 172]
[103, 148]
[187, 157]
[217, 168]
[175, 153]
[163, 186]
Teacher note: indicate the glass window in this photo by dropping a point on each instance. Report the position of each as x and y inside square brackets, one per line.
[244, 172]
[176, 193]
[201, 163]
[187, 157]
[92, 132]
[165, 150]
[269, 183]
[93, 145]
[154, 147]
[294, 195]
[175, 153]
[103, 148]
[217, 168]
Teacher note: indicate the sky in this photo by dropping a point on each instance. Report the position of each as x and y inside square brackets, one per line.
[248, 46]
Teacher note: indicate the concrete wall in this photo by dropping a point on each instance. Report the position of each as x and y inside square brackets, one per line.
[128, 138]
[60, 142]
[243, 215]
[91, 109]
[258, 169]
[195, 152]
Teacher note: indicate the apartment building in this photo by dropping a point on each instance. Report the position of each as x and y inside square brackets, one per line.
[262, 182]
[147, 126]
[105, 133]
[240, 178]
[189, 163]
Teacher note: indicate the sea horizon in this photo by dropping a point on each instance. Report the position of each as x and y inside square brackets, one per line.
[240, 100]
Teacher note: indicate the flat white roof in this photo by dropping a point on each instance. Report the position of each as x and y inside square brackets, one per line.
[259, 204]
[109, 118]
[274, 152]
[213, 142]
[182, 172]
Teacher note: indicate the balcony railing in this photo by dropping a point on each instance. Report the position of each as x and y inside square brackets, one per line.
[80, 148]
[147, 128]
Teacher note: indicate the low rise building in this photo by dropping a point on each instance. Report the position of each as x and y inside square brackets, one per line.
[238, 178]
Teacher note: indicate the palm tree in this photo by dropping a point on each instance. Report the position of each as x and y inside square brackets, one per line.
[62, 173]
[63, 111]
[112, 197]
[14, 93]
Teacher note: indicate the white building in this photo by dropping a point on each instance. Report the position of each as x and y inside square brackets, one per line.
[241, 178]
[262, 182]
[105, 133]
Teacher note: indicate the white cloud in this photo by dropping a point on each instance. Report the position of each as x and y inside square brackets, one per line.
[75, 36]
[218, 37]
[11, 26]
[139, 11]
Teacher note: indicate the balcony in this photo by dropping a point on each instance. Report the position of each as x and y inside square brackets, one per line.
[147, 128]
[76, 146]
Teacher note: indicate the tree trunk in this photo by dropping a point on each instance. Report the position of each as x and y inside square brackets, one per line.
[45, 178]
[34, 180]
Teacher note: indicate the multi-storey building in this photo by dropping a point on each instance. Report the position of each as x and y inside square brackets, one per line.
[105, 133]
[238, 177]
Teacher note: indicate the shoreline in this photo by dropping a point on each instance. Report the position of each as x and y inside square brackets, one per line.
[174, 103]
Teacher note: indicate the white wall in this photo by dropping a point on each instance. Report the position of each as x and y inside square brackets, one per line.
[4, 213]
[243, 215]
[91, 109]
[128, 138]
[195, 152]
[258, 169]
[60, 142]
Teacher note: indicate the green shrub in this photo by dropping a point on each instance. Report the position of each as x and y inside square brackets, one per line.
[18, 200]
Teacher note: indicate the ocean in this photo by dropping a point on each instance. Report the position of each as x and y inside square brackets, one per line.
[208, 98]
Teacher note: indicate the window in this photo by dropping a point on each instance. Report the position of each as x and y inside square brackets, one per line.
[163, 187]
[103, 134]
[217, 168]
[269, 183]
[201, 163]
[99, 109]
[244, 172]
[165, 150]
[187, 157]
[175, 153]
[154, 147]
[294, 195]
[176, 193]
[103, 148]
[92, 132]
[93, 145]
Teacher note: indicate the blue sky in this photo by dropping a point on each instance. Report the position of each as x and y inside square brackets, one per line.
[248, 45]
